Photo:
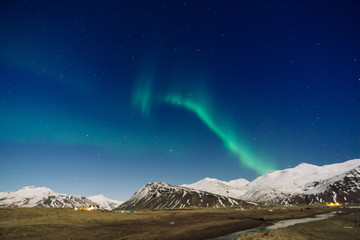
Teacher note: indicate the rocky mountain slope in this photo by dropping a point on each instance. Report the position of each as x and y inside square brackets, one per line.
[163, 195]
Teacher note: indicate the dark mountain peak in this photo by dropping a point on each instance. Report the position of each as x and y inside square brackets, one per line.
[157, 195]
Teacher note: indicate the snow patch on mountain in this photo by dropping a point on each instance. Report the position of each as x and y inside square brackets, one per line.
[104, 202]
[229, 189]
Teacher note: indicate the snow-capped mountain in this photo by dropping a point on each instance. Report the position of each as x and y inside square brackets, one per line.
[162, 195]
[104, 202]
[41, 197]
[307, 183]
[229, 189]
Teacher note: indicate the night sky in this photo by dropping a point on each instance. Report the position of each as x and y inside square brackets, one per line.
[102, 97]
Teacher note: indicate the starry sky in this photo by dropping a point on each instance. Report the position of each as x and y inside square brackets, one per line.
[102, 97]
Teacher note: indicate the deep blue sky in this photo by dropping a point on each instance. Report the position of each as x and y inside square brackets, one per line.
[85, 86]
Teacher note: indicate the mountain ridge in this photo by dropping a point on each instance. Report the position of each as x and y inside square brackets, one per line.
[305, 183]
[158, 195]
[32, 196]
[216, 186]
[104, 202]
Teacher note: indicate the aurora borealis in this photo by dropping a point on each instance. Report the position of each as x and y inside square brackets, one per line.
[101, 97]
[243, 155]
[143, 97]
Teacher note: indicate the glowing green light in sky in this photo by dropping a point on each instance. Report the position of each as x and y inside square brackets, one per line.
[143, 98]
[143, 91]
[230, 142]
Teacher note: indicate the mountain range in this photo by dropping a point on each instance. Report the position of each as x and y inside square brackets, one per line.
[303, 184]
[32, 196]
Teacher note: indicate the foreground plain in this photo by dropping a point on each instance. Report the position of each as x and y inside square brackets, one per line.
[47, 223]
[342, 226]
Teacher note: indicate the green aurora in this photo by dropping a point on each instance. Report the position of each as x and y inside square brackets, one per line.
[144, 96]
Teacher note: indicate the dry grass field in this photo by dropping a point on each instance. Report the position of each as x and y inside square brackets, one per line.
[45, 223]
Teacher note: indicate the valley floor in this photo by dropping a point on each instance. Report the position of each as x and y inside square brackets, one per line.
[339, 227]
[45, 223]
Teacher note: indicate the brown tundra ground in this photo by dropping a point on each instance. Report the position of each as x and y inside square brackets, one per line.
[46, 223]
